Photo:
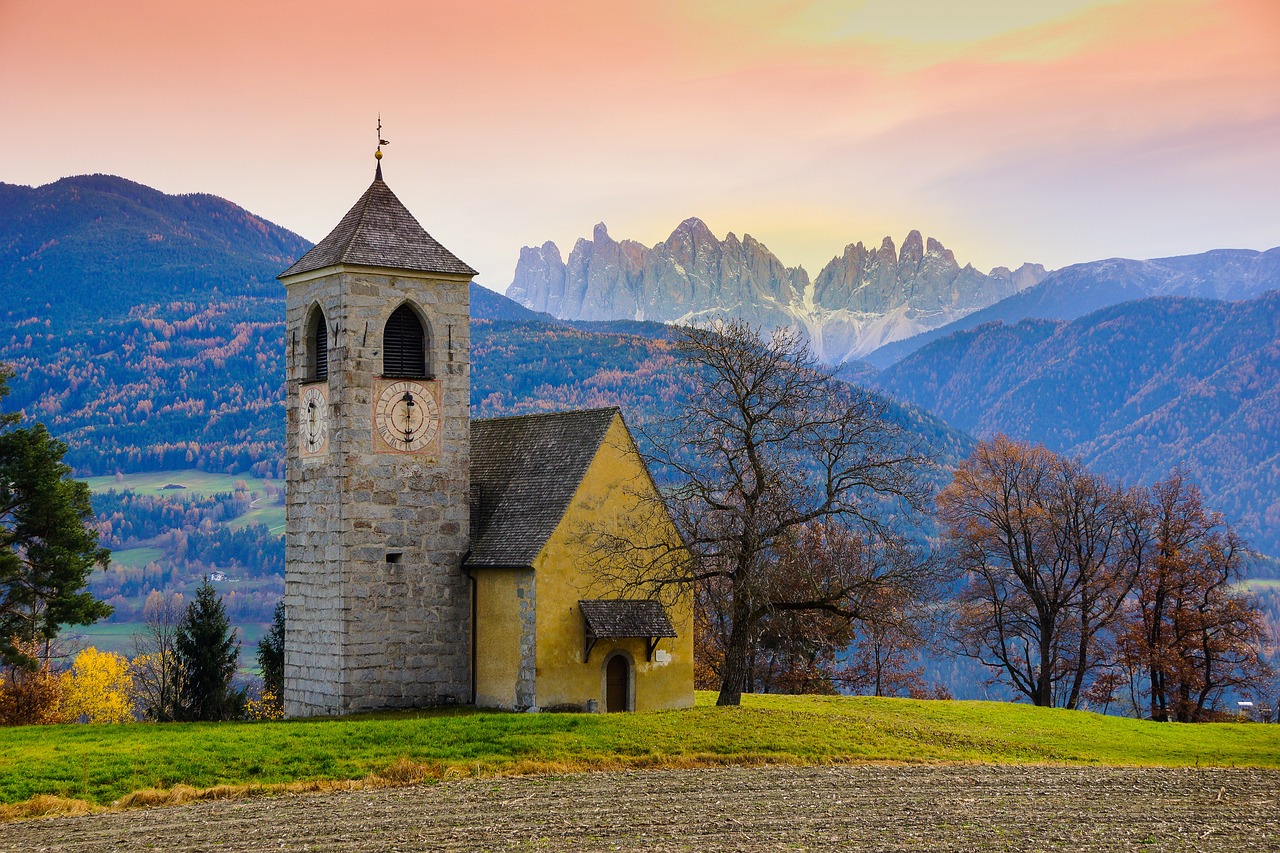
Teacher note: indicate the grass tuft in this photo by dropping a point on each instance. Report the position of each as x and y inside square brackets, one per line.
[46, 805]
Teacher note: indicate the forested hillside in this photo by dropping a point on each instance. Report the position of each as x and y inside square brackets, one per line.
[144, 328]
[95, 247]
[1135, 389]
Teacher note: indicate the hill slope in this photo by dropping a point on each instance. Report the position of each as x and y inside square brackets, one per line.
[1135, 389]
[104, 244]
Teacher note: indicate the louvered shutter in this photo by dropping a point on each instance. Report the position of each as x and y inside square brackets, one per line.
[320, 347]
[404, 346]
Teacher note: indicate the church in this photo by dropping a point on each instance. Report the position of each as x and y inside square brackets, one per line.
[431, 559]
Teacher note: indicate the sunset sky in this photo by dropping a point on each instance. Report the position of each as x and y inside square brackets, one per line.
[1054, 131]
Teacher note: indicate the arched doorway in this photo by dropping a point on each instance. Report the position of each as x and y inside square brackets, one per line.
[617, 681]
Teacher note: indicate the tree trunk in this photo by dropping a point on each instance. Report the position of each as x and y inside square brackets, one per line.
[734, 673]
[1044, 678]
[1082, 664]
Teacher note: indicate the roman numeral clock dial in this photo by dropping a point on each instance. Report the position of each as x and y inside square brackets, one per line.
[313, 420]
[406, 417]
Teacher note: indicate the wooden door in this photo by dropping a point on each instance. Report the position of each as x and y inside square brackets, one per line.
[617, 678]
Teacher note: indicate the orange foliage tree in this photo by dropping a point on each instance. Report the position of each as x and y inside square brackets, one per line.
[29, 695]
[1192, 634]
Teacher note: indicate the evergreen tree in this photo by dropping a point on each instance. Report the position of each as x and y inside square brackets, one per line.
[271, 655]
[208, 654]
[46, 551]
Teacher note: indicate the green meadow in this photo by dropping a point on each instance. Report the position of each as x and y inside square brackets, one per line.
[101, 764]
[155, 482]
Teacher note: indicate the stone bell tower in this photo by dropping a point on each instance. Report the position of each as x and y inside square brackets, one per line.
[378, 609]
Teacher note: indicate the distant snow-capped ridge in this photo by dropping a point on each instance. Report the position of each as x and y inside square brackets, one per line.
[861, 300]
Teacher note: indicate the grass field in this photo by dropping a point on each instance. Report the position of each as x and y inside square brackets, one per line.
[272, 516]
[101, 764]
[153, 482]
[136, 558]
[1259, 584]
[194, 483]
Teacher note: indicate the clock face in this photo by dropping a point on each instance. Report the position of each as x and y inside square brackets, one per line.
[406, 416]
[313, 420]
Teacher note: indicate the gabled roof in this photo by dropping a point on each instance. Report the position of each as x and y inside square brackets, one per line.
[379, 231]
[524, 472]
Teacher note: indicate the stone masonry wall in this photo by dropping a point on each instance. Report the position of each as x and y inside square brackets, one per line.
[402, 635]
[314, 533]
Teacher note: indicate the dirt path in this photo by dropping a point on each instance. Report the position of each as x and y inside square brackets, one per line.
[961, 808]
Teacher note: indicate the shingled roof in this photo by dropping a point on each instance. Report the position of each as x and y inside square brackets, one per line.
[379, 231]
[620, 618]
[524, 472]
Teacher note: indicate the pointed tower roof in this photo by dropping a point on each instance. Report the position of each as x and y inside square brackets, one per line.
[379, 231]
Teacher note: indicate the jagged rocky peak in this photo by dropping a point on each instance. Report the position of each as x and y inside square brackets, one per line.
[923, 277]
[861, 299]
[1027, 275]
[539, 278]
[912, 252]
[692, 273]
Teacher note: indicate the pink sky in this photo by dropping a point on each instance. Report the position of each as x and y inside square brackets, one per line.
[1054, 131]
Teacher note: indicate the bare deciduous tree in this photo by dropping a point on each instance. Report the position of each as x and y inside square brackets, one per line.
[1073, 581]
[1049, 551]
[1192, 634]
[789, 488]
[157, 672]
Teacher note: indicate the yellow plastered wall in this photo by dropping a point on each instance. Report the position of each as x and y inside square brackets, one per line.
[563, 573]
[498, 635]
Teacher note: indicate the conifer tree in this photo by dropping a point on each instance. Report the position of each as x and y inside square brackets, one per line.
[208, 654]
[271, 657]
[46, 549]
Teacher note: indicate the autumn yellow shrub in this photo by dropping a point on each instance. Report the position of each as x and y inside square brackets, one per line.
[266, 707]
[97, 688]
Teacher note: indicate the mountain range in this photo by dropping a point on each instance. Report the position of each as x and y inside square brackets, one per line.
[146, 332]
[150, 355]
[859, 301]
[1079, 289]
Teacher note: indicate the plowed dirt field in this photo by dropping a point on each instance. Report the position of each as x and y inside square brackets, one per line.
[882, 808]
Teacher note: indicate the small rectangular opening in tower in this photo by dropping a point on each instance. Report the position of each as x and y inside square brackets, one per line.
[393, 556]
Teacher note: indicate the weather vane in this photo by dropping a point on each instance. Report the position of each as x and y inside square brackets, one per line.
[377, 155]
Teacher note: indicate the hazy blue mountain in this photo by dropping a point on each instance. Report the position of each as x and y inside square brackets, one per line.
[1077, 290]
[1134, 389]
[487, 304]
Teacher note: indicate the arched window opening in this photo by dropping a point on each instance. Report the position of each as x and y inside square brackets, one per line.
[404, 346]
[317, 347]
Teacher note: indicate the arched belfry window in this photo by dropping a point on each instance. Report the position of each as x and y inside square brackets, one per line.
[317, 346]
[404, 346]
